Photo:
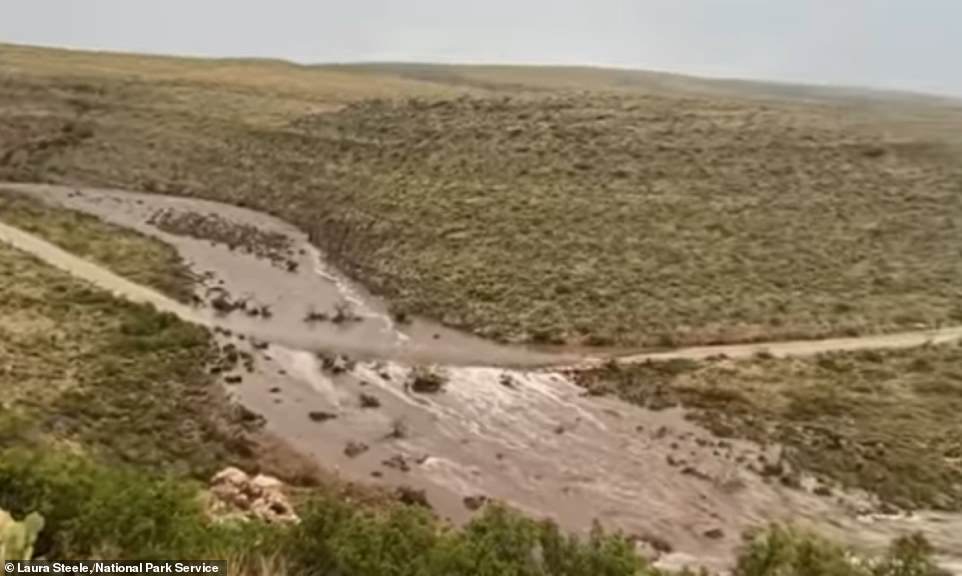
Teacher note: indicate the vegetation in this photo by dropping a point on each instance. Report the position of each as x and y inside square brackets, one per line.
[884, 421]
[627, 214]
[17, 538]
[785, 551]
[107, 413]
[137, 257]
[81, 367]
[115, 512]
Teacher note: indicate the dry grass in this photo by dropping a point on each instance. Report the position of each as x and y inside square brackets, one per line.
[887, 422]
[552, 215]
[122, 381]
[136, 257]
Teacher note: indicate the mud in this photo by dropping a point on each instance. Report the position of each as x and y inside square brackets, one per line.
[242, 268]
[525, 435]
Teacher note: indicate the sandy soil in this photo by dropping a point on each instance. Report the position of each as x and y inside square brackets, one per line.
[525, 435]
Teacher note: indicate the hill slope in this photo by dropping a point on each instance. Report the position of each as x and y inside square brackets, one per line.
[554, 205]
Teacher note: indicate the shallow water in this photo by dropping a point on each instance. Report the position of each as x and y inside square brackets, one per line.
[526, 436]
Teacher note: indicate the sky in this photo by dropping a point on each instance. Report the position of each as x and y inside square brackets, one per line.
[901, 44]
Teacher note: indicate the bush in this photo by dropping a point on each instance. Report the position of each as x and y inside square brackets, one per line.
[786, 551]
[93, 511]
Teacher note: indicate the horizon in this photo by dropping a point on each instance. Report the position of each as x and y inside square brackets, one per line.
[880, 45]
[861, 88]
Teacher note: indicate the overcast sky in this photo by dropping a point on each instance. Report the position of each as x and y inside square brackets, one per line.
[908, 44]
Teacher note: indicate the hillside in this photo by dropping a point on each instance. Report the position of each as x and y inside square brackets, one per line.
[578, 206]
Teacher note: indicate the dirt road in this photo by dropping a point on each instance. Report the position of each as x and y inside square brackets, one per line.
[375, 347]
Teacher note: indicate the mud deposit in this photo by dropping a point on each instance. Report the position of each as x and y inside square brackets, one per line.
[334, 375]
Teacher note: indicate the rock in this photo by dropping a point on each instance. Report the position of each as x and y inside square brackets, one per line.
[236, 379]
[369, 401]
[354, 449]
[412, 497]
[321, 416]
[508, 381]
[474, 503]
[275, 390]
[262, 497]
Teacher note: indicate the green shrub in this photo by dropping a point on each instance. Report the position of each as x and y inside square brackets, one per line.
[787, 551]
[92, 510]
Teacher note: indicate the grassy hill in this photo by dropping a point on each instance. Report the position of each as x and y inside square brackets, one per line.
[570, 205]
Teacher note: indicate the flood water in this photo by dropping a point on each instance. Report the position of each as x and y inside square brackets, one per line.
[503, 427]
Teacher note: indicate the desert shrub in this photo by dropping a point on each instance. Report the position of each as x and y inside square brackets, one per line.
[787, 551]
[92, 510]
[335, 538]
[118, 512]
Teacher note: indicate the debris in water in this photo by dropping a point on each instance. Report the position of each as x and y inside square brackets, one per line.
[397, 462]
[412, 497]
[321, 416]
[369, 401]
[474, 503]
[354, 449]
[425, 380]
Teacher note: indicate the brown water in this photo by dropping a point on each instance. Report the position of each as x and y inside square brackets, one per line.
[532, 439]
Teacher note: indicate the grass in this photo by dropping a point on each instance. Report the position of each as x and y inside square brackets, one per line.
[883, 421]
[134, 256]
[620, 215]
[80, 367]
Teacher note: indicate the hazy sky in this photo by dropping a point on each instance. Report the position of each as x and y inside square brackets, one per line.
[910, 44]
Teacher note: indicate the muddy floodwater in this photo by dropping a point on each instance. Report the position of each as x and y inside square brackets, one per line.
[504, 426]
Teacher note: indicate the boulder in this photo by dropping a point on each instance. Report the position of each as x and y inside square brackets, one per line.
[261, 497]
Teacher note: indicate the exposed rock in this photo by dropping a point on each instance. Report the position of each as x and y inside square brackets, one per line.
[236, 379]
[262, 497]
